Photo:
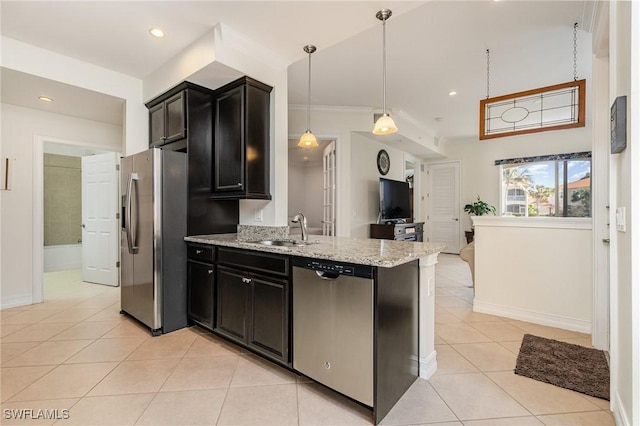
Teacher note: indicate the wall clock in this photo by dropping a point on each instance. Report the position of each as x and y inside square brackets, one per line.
[383, 162]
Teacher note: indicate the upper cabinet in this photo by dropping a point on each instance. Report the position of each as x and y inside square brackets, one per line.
[225, 133]
[241, 141]
[177, 115]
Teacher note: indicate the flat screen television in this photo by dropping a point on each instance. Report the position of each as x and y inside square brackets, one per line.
[395, 201]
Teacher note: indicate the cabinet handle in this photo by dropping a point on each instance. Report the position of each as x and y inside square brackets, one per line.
[210, 271]
[246, 280]
[199, 251]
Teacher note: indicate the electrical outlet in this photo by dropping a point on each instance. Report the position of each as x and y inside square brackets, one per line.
[430, 286]
[259, 215]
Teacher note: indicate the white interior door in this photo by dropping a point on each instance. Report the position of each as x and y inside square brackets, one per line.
[329, 190]
[100, 234]
[443, 205]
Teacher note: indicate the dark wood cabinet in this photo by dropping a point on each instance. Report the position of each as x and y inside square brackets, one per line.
[241, 140]
[268, 327]
[167, 120]
[181, 119]
[253, 301]
[397, 231]
[201, 285]
[231, 303]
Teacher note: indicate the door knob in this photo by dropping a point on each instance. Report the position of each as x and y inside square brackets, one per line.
[83, 225]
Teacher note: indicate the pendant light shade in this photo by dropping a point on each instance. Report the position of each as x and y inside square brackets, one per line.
[385, 124]
[308, 139]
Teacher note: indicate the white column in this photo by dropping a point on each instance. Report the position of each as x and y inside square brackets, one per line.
[427, 308]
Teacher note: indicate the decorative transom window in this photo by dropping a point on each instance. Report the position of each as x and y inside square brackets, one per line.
[551, 185]
[561, 106]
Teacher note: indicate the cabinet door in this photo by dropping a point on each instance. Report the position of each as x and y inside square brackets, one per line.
[269, 320]
[200, 283]
[229, 141]
[156, 125]
[231, 302]
[175, 128]
[257, 141]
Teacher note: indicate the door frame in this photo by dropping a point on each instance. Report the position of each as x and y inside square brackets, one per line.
[37, 223]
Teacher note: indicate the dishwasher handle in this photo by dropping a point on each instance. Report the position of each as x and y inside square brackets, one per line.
[330, 276]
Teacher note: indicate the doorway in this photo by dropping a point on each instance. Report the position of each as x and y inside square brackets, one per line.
[57, 225]
[443, 208]
[313, 186]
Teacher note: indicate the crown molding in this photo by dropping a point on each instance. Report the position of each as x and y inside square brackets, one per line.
[332, 108]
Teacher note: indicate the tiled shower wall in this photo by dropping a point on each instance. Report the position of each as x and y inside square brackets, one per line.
[62, 200]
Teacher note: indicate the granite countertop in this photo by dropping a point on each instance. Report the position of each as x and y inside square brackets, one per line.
[362, 251]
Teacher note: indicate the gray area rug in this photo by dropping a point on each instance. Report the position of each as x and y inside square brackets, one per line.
[565, 365]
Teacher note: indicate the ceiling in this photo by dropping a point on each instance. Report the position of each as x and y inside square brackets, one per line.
[432, 47]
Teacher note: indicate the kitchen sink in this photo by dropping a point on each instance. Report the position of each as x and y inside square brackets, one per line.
[285, 243]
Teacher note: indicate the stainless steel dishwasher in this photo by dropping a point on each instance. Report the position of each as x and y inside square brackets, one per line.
[333, 325]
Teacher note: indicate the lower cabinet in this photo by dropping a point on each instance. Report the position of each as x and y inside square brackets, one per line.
[201, 284]
[253, 309]
[231, 303]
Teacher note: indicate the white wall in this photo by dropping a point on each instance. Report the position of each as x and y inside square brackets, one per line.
[624, 76]
[297, 186]
[306, 183]
[365, 184]
[19, 127]
[479, 175]
[522, 272]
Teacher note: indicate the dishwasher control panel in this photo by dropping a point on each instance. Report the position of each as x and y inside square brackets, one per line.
[334, 267]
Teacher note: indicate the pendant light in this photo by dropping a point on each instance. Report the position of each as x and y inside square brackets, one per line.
[308, 140]
[385, 124]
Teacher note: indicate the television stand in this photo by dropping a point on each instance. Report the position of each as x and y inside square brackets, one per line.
[397, 231]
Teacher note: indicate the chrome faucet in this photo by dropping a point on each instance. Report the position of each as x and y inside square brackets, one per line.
[299, 218]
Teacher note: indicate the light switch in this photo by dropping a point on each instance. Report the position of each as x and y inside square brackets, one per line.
[259, 215]
[621, 221]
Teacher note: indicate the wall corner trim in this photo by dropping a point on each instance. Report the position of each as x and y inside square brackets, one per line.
[428, 365]
[15, 301]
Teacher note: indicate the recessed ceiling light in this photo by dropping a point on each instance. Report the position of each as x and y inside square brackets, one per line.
[453, 93]
[45, 99]
[156, 32]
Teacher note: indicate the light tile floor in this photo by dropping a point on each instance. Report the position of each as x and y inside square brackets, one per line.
[76, 352]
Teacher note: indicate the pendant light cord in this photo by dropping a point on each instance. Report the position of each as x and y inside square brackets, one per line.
[309, 97]
[384, 66]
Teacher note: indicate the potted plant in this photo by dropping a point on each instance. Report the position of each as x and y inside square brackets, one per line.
[478, 208]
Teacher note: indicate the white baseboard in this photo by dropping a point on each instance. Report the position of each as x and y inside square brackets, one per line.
[20, 300]
[618, 411]
[428, 366]
[551, 320]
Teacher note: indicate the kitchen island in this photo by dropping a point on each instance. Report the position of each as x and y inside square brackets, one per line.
[259, 292]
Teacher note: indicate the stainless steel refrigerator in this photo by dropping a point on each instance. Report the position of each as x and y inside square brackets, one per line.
[152, 249]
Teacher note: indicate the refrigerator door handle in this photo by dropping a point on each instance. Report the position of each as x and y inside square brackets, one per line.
[127, 213]
[132, 230]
